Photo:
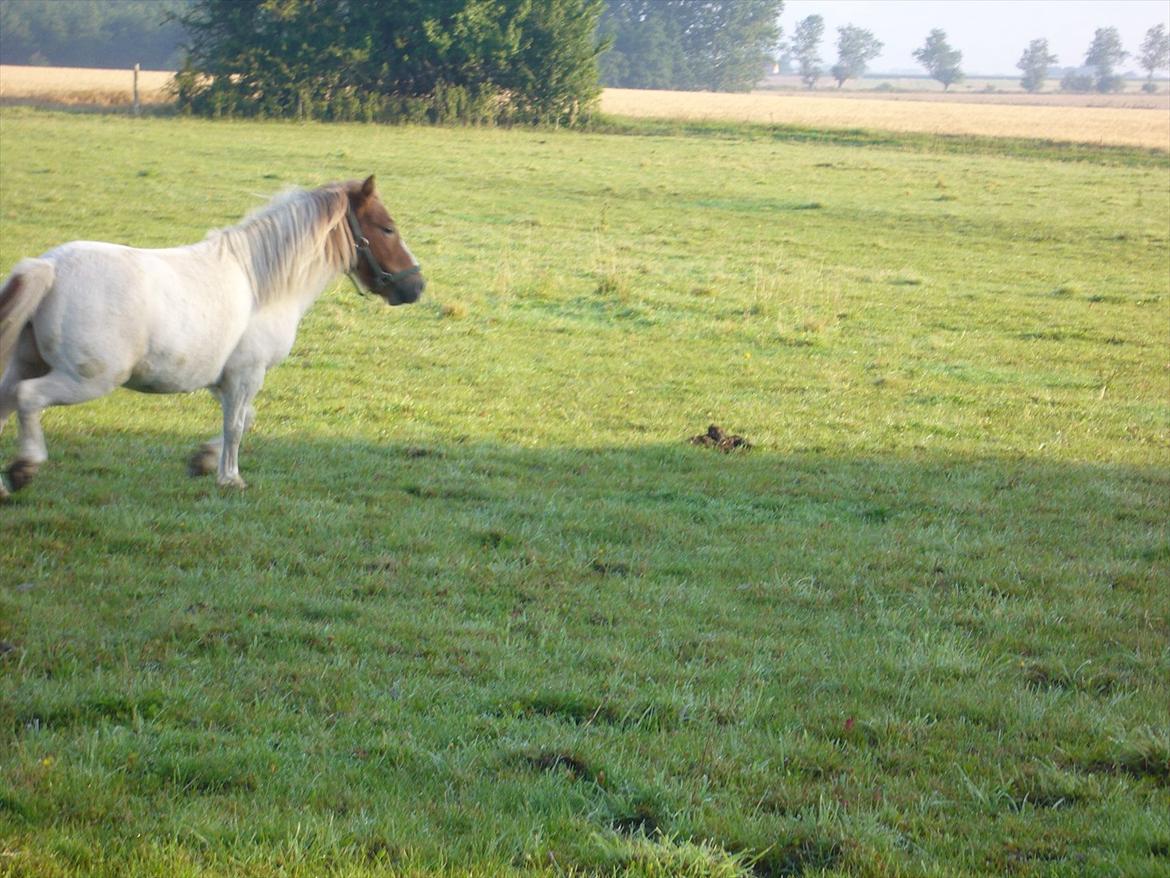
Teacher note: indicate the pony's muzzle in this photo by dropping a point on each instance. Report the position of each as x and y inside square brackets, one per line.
[404, 292]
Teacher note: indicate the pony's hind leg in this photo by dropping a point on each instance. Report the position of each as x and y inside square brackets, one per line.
[25, 364]
[34, 395]
[7, 407]
[8, 395]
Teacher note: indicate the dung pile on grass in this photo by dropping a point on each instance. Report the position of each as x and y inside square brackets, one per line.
[716, 438]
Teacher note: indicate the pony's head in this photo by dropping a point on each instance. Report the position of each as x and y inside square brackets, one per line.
[383, 263]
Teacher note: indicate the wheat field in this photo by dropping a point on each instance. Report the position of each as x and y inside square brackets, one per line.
[82, 85]
[1111, 126]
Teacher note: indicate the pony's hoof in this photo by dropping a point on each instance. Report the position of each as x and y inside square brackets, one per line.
[203, 462]
[21, 472]
[234, 482]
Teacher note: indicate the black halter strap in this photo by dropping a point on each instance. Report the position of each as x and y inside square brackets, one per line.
[382, 278]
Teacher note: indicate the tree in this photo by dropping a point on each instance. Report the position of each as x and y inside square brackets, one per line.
[716, 45]
[645, 45]
[420, 60]
[805, 41]
[1154, 54]
[1104, 54]
[731, 41]
[856, 47]
[939, 59]
[1035, 63]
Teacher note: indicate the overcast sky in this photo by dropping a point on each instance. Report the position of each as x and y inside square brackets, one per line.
[992, 34]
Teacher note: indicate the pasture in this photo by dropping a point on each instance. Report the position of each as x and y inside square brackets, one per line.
[484, 610]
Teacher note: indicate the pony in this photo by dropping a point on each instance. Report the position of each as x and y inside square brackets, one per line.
[87, 317]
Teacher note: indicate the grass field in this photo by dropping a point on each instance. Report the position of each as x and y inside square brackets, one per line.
[483, 610]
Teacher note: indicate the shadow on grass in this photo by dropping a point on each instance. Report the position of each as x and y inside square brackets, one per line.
[480, 596]
[145, 471]
[641, 512]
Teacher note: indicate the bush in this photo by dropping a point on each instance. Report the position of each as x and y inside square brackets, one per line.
[1110, 84]
[1076, 82]
[463, 61]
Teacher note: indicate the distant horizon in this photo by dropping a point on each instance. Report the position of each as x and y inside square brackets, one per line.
[991, 34]
[919, 73]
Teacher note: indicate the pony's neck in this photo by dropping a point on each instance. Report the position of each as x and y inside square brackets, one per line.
[293, 247]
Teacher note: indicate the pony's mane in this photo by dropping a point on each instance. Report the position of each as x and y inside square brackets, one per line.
[284, 244]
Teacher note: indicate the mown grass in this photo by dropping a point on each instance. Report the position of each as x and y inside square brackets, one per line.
[948, 115]
[911, 141]
[484, 610]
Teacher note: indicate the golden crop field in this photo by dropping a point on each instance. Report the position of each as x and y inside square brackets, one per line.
[1118, 126]
[82, 85]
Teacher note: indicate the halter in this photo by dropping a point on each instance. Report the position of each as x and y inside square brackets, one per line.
[382, 278]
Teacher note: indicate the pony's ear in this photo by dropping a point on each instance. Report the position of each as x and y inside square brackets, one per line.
[368, 187]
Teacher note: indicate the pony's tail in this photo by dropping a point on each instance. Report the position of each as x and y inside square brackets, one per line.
[21, 295]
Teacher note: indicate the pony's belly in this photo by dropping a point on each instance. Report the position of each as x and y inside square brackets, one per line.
[149, 383]
[172, 365]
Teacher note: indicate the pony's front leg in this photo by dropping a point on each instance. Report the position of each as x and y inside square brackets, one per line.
[205, 459]
[236, 394]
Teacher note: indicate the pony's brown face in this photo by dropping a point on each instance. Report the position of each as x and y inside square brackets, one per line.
[384, 264]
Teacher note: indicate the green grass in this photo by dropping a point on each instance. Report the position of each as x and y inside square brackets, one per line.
[947, 144]
[483, 610]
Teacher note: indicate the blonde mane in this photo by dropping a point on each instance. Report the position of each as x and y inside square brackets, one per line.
[284, 244]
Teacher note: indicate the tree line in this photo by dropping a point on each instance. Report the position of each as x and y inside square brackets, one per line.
[856, 47]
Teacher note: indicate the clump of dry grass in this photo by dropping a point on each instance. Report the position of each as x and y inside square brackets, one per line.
[453, 310]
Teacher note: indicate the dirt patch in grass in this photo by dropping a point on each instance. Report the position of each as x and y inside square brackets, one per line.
[1144, 754]
[719, 439]
[811, 856]
[610, 568]
[583, 710]
[640, 818]
[552, 760]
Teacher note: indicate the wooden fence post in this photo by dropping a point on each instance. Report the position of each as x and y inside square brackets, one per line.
[137, 106]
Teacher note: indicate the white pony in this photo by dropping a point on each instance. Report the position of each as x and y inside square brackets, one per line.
[88, 317]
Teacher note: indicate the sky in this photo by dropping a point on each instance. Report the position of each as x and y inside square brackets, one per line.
[992, 34]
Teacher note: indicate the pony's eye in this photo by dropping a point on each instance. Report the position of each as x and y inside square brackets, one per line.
[388, 230]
